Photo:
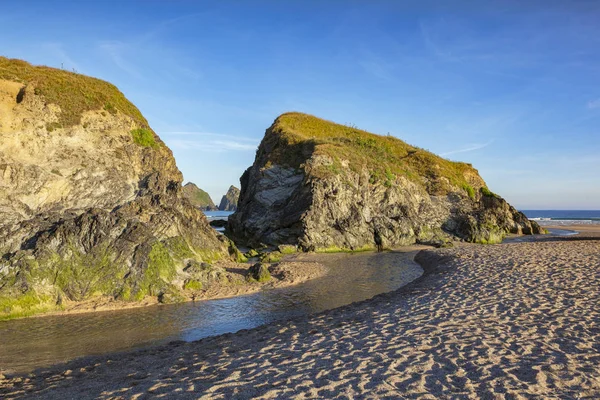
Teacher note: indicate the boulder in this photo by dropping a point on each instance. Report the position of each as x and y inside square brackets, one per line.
[259, 272]
[218, 223]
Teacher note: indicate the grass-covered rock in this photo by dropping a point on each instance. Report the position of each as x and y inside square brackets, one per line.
[324, 186]
[91, 203]
[198, 197]
[73, 93]
[259, 272]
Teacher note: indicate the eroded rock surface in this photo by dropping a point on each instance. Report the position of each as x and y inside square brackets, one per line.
[321, 185]
[90, 203]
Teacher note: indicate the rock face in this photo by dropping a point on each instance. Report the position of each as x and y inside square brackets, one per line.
[321, 185]
[230, 200]
[90, 198]
[259, 272]
[198, 197]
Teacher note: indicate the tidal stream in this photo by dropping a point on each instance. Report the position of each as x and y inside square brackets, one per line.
[31, 343]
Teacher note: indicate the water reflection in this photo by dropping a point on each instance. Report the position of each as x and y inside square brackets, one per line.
[29, 343]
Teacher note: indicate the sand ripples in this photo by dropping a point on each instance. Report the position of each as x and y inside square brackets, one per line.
[501, 322]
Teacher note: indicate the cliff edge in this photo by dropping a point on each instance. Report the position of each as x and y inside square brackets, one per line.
[90, 197]
[326, 186]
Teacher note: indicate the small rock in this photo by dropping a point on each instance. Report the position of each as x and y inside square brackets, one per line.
[287, 249]
[252, 253]
[259, 272]
[218, 223]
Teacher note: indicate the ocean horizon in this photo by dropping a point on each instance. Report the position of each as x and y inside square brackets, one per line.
[563, 217]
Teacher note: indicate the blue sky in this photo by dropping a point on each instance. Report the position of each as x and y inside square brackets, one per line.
[512, 88]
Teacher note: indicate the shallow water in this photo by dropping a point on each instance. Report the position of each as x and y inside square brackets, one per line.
[36, 342]
[535, 238]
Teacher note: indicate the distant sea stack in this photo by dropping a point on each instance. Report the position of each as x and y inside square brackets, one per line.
[230, 200]
[198, 197]
[321, 185]
[90, 197]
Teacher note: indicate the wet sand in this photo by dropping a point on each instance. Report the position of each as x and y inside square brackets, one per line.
[584, 230]
[518, 320]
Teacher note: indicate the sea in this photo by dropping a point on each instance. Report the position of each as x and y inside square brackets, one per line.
[213, 215]
[218, 215]
[564, 217]
[542, 217]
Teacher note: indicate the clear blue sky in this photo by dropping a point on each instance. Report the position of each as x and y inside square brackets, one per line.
[511, 87]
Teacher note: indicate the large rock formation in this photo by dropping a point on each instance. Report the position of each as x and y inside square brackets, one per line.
[90, 197]
[321, 185]
[230, 200]
[198, 197]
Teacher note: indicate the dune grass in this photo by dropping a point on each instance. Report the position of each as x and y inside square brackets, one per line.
[294, 137]
[74, 93]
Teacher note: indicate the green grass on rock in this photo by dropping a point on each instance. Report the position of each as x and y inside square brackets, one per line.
[295, 137]
[74, 93]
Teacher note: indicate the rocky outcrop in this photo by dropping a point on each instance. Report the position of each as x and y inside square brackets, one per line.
[321, 185]
[230, 200]
[90, 197]
[198, 197]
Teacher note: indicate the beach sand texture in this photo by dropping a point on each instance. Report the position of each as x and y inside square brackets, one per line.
[506, 321]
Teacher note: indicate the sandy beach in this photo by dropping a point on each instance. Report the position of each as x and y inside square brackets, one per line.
[518, 320]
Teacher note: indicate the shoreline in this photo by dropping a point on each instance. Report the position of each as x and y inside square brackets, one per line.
[581, 228]
[429, 263]
[332, 262]
[214, 292]
[283, 274]
[511, 320]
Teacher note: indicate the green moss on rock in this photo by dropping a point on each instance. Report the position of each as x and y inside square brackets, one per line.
[237, 255]
[271, 257]
[259, 272]
[81, 276]
[179, 248]
[25, 305]
[287, 249]
[337, 249]
[486, 192]
[469, 189]
[161, 269]
[192, 285]
[488, 235]
[251, 253]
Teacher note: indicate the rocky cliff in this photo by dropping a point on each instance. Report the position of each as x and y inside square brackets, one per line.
[230, 200]
[198, 197]
[322, 185]
[90, 197]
